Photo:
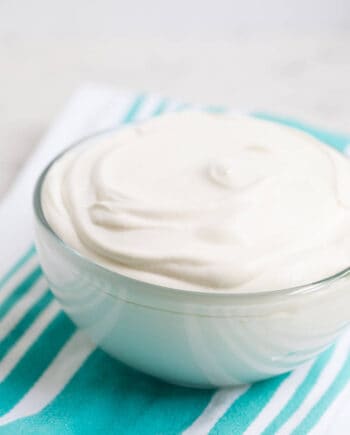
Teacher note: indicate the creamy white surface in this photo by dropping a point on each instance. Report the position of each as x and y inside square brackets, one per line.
[205, 202]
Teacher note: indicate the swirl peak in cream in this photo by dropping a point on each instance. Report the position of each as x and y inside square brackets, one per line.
[205, 202]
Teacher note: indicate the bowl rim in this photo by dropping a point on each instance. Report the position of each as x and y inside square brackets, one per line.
[311, 287]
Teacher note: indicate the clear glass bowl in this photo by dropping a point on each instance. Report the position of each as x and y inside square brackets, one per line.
[199, 339]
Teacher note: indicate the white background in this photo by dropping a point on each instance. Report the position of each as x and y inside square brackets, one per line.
[290, 57]
[180, 18]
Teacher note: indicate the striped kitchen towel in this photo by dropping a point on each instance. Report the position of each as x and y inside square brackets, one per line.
[53, 380]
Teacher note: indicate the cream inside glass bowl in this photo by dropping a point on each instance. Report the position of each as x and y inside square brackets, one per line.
[206, 250]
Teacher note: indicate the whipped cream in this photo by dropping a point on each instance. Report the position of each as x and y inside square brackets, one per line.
[205, 202]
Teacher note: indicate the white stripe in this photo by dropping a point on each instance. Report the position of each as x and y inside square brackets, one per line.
[17, 312]
[173, 106]
[334, 418]
[279, 400]
[148, 106]
[17, 278]
[324, 381]
[54, 378]
[218, 405]
[28, 338]
[110, 112]
[347, 150]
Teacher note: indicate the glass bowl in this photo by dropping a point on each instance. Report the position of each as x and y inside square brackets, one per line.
[193, 338]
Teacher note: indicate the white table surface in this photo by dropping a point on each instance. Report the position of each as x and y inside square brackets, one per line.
[303, 76]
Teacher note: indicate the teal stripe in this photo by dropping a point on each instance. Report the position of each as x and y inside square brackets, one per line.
[300, 394]
[171, 411]
[24, 323]
[247, 407]
[17, 266]
[325, 401]
[160, 108]
[19, 291]
[337, 141]
[35, 361]
[132, 111]
[105, 396]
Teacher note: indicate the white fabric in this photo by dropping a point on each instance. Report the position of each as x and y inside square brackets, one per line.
[94, 108]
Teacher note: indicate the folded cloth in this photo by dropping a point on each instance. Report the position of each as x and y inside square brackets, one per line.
[54, 380]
